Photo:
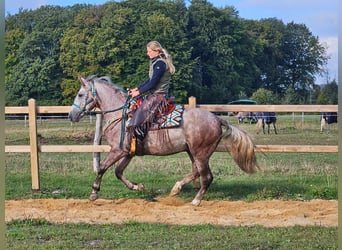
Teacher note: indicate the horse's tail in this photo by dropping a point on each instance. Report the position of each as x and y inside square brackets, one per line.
[241, 147]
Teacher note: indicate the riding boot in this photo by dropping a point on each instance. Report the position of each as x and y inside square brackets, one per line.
[135, 140]
[135, 146]
[139, 146]
[131, 141]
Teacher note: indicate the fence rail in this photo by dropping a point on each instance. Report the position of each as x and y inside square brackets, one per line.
[220, 148]
[32, 110]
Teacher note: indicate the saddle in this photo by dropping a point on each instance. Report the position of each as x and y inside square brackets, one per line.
[168, 117]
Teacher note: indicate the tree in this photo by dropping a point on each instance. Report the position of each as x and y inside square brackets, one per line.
[37, 72]
[268, 35]
[291, 96]
[13, 40]
[223, 53]
[304, 57]
[218, 56]
[264, 96]
[328, 94]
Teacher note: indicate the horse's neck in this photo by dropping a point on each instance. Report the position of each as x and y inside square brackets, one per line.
[110, 102]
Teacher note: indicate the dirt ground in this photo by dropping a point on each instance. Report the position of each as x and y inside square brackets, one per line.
[175, 211]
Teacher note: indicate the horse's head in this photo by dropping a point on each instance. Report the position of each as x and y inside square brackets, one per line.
[85, 100]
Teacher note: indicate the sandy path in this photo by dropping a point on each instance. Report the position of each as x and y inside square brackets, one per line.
[273, 213]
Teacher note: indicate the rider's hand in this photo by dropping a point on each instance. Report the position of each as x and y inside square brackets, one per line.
[134, 92]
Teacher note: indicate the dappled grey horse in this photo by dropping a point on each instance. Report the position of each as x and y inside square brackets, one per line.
[250, 116]
[199, 134]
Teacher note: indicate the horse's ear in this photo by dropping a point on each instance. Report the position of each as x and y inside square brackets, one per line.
[82, 80]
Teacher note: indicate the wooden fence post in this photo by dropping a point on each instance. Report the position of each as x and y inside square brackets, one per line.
[192, 102]
[33, 144]
[97, 141]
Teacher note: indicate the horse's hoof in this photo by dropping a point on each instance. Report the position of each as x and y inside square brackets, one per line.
[141, 187]
[176, 189]
[93, 197]
[196, 202]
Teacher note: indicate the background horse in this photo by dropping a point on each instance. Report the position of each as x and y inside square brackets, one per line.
[266, 118]
[328, 118]
[199, 134]
[250, 116]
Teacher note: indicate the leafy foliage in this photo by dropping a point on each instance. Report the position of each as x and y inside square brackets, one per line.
[264, 96]
[328, 94]
[218, 56]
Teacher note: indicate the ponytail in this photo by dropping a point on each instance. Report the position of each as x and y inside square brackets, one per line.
[154, 45]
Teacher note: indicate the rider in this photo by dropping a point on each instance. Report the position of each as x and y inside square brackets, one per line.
[155, 89]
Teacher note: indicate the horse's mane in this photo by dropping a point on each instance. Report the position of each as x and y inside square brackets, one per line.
[108, 81]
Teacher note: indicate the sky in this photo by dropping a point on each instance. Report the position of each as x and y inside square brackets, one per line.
[320, 16]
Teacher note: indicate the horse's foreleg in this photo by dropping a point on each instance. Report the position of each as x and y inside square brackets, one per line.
[119, 174]
[323, 123]
[111, 158]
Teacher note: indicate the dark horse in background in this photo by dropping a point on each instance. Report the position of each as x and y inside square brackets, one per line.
[199, 134]
[328, 118]
[266, 118]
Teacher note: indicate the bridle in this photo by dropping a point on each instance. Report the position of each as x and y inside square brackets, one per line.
[88, 98]
[91, 97]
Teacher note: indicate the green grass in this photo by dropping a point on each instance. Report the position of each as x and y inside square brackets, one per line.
[285, 176]
[40, 234]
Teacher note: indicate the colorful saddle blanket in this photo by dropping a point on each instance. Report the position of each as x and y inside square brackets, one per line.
[168, 118]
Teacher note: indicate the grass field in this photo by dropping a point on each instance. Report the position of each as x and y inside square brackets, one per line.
[287, 176]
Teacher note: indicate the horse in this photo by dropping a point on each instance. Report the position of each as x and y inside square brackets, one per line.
[250, 116]
[266, 118]
[327, 118]
[199, 134]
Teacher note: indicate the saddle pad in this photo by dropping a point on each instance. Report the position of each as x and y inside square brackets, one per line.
[171, 120]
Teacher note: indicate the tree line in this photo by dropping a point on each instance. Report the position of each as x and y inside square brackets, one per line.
[219, 57]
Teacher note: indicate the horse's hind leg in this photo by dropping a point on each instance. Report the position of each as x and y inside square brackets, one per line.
[111, 158]
[200, 168]
[193, 176]
[206, 177]
[275, 128]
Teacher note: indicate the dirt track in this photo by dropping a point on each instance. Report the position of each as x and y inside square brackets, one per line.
[175, 211]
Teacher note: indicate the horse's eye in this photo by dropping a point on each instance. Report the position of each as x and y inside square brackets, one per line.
[80, 95]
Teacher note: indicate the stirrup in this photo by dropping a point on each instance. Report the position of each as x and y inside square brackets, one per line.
[133, 146]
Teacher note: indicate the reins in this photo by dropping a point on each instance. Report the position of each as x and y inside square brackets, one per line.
[123, 117]
[91, 89]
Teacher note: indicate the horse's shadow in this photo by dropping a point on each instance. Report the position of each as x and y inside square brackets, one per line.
[246, 190]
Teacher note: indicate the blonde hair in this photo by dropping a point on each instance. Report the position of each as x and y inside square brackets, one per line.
[154, 45]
